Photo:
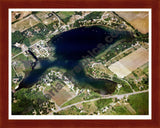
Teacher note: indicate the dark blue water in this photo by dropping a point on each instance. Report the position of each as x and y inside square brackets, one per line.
[73, 46]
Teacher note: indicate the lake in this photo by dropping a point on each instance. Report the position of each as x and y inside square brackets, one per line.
[70, 48]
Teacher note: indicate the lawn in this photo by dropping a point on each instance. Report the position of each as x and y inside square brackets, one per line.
[121, 110]
[140, 103]
[82, 97]
[65, 16]
[75, 100]
[103, 103]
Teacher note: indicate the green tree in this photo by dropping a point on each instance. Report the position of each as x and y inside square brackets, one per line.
[26, 42]
[26, 100]
[15, 50]
[17, 37]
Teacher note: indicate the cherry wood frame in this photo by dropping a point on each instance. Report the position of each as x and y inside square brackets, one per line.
[6, 4]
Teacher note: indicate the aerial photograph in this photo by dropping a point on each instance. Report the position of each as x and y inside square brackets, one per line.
[79, 62]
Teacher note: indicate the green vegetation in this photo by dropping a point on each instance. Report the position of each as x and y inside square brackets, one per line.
[140, 36]
[82, 97]
[22, 57]
[124, 20]
[145, 82]
[121, 110]
[70, 111]
[26, 42]
[32, 101]
[78, 13]
[34, 12]
[92, 95]
[15, 50]
[13, 73]
[66, 19]
[119, 48]
[125, 86]
[103, 103]
[18, 37]
[89, 107]
[50, 27]
[77, 24]
[108, 19]
[17, 16]
[75, 100]
[27, 100]
[140, 103]
[93, 15]
[132, 83]
[65, 16]
[145, 69]
[38, 32]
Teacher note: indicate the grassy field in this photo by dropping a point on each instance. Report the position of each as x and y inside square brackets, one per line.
[82, 97]
[15, 50]
[139, 103]
[102, 103]
[65, 16]
[45, 18]
[89, 107]
[13, 73]
[42, 15]
[126, 65]
[70, 111]
[138, 78]
[121, 110]
[75, 100]
[24, 24]
[125, 89]
[60, 96]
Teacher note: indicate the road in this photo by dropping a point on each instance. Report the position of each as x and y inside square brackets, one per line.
[103, 97]
[129, 85]
[17, 55]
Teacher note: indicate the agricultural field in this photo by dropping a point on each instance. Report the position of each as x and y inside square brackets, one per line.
[101, 69]
[138, 79]
[65, 16]
[139, 20]
[141, 106]
[60, 96]
[81, 97]
[111, 106]
[25, 24]
[88, 108]
[18, 15]
[46, 17]
[69, 111]
[126, 65]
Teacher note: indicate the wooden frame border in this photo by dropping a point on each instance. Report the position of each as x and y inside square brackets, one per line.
[6, 4]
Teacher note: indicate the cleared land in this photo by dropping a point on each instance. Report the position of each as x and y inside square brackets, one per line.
[62, 95]
[25, 23]
[18, 15]
[139, 20]
[129, 63]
